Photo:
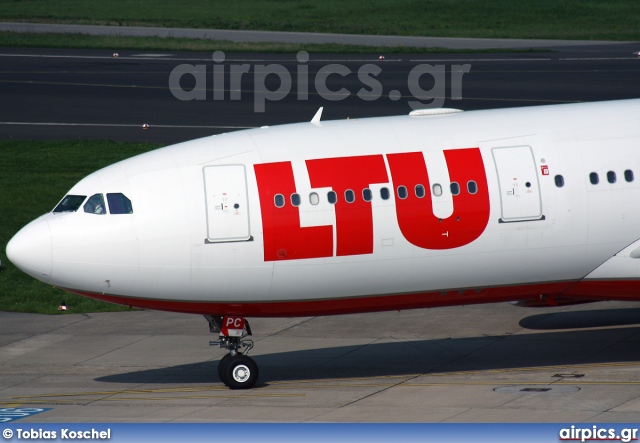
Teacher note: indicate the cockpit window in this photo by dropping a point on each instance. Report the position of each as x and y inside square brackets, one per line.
[119, 204]
[70, 203]
[95, 205]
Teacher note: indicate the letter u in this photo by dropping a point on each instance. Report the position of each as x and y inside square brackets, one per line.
[415, 215]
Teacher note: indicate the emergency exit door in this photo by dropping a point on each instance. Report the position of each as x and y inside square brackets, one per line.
[227, 203]
[519, 187]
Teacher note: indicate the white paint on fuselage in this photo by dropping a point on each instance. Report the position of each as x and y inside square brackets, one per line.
[159, 251]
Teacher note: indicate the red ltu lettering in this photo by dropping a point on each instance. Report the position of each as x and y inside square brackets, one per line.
[470, 210]
[354, 221]
[284, 239]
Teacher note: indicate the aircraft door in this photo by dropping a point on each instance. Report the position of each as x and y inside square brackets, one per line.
[227, 203]
[519, 187]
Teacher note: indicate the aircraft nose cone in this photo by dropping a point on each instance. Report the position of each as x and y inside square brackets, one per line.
[31, 251]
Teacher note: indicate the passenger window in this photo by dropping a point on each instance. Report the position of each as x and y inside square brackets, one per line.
[332, 197]
[472, 187]
[70, 203]
[628, 175]
[611, 177]
[559, 181]
[314, 198]
[384, 193]
[419, 190]
[437, 190]
[279, 200]
[455, 188]
[593, 178]
[119, 204]
[95, 205]
[349, 196]
[402, 192]
[367, 195]
[295, 199]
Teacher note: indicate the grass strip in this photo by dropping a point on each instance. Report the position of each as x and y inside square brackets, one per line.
[34, 176]
[114, 44]
[555, 19]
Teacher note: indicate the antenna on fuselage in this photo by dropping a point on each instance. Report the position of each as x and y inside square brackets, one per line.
[316, 118]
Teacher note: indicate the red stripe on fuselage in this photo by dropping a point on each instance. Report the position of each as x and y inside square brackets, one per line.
[355, 304]
[606, 289]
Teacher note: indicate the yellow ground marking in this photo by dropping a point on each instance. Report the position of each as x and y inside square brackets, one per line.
[406, 380]
[35, 400]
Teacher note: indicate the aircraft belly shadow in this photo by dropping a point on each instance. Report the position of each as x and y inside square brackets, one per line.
[392, 357]
[582, 319]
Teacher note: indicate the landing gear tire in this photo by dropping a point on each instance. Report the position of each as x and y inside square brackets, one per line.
[239, 372]
[222, 364]
[235, 370]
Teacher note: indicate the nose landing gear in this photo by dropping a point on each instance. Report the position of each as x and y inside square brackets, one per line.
[236, 369]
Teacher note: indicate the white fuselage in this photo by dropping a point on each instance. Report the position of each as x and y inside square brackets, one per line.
[207, 233]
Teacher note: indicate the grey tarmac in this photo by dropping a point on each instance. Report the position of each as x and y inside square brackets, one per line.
[482, 363]
[296, 37]
[51, 94]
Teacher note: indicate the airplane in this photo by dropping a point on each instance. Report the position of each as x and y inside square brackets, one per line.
[534, 206]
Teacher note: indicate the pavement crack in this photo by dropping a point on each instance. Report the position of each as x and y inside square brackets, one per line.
[292, 326]
[80, 363]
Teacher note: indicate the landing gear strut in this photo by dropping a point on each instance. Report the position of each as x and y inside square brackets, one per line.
[236, 369]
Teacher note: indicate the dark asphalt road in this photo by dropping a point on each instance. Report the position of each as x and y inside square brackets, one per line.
[89, 94]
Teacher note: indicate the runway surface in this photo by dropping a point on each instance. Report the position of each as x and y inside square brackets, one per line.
[487, 363]
[61, 94]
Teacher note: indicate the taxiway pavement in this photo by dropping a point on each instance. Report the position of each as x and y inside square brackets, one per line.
[485, 363]
[90, 94]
